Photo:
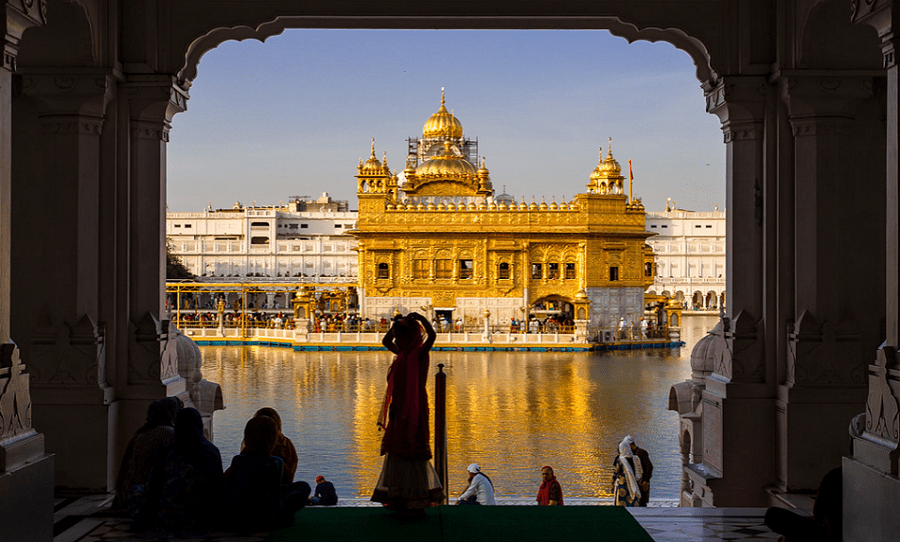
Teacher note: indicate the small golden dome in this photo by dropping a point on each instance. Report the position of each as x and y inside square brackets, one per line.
[442, 124]
[543, 206]
[372, 166]
[553, 205]
[409, 169]
[483, 171]
[451, 206]
[610, 165]
[441, 206]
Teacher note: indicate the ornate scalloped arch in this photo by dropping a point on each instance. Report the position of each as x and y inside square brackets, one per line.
[694, 47]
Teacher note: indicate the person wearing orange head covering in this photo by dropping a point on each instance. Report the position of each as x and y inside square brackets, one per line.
[408, 480]
[284, 448]
[550, 493]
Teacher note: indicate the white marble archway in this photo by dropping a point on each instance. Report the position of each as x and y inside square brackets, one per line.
[797, 87]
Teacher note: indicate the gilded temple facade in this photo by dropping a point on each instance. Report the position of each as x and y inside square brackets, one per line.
[438, 238]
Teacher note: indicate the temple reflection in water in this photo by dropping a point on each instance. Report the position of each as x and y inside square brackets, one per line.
[512, 412]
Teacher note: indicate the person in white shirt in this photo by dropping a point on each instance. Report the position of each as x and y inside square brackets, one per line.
[480, 490]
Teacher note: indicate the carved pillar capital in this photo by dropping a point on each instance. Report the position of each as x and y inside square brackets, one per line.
[80, 92]
[155, 99]
[738, 101]
[833, 95]
[20, 15]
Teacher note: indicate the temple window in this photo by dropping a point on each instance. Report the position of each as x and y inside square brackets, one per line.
[570, 271]
[648, 269]
[553, 271]
[503, 271]
[613, 273]
[466, 268]
[443, 269]
[420, 269]
[384, 271]
[537, 271]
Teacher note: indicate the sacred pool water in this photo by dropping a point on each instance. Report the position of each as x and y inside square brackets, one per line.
[511, 412]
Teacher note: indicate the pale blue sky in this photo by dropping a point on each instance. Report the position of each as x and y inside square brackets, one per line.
[292, 116]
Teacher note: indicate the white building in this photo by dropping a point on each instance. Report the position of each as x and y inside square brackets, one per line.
[690, 256]
[301, 240]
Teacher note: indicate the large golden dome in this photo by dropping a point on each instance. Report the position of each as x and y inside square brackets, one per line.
[442, 124]
[446, 166]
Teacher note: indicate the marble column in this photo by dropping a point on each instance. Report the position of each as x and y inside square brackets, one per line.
[737, 401]
[145, 109]
[870, 474]
[56, 301]
[26, 470]
[838, 234]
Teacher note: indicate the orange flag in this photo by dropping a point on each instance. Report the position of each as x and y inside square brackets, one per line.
[630, 180]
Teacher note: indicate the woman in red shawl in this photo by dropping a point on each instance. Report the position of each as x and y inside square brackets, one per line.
[408, 481]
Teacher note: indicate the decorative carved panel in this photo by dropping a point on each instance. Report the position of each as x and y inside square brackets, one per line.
[882, 404]
[15, 397]
[824, 353]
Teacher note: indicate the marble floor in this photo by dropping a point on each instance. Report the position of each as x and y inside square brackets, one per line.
[84, 519]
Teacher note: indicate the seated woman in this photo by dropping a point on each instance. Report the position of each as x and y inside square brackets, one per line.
[257, 500]
[185, 488]
[284, 448]
[142, 452]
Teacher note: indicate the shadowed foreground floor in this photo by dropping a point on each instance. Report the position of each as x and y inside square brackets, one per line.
[467, 524]
[87, 519]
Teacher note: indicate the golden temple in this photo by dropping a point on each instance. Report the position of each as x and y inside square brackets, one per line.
[437, 237]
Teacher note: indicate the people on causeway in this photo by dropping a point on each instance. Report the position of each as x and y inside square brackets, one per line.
[325, 494]
[550, 493]
[408, 481]
[625, 488]
[257, 499]
[480, 490]
[185, 488]
[646, 470]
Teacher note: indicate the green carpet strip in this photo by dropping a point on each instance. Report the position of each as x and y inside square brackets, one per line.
[466, 524]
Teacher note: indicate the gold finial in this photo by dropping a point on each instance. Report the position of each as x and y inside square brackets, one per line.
[384, 159]
[601, 155]
[609, 148]
[373, 148]
[442, 95]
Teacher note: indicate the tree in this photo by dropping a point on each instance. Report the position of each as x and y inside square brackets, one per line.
[175, 268]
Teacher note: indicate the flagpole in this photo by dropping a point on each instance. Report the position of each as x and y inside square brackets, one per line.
[630, 181]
